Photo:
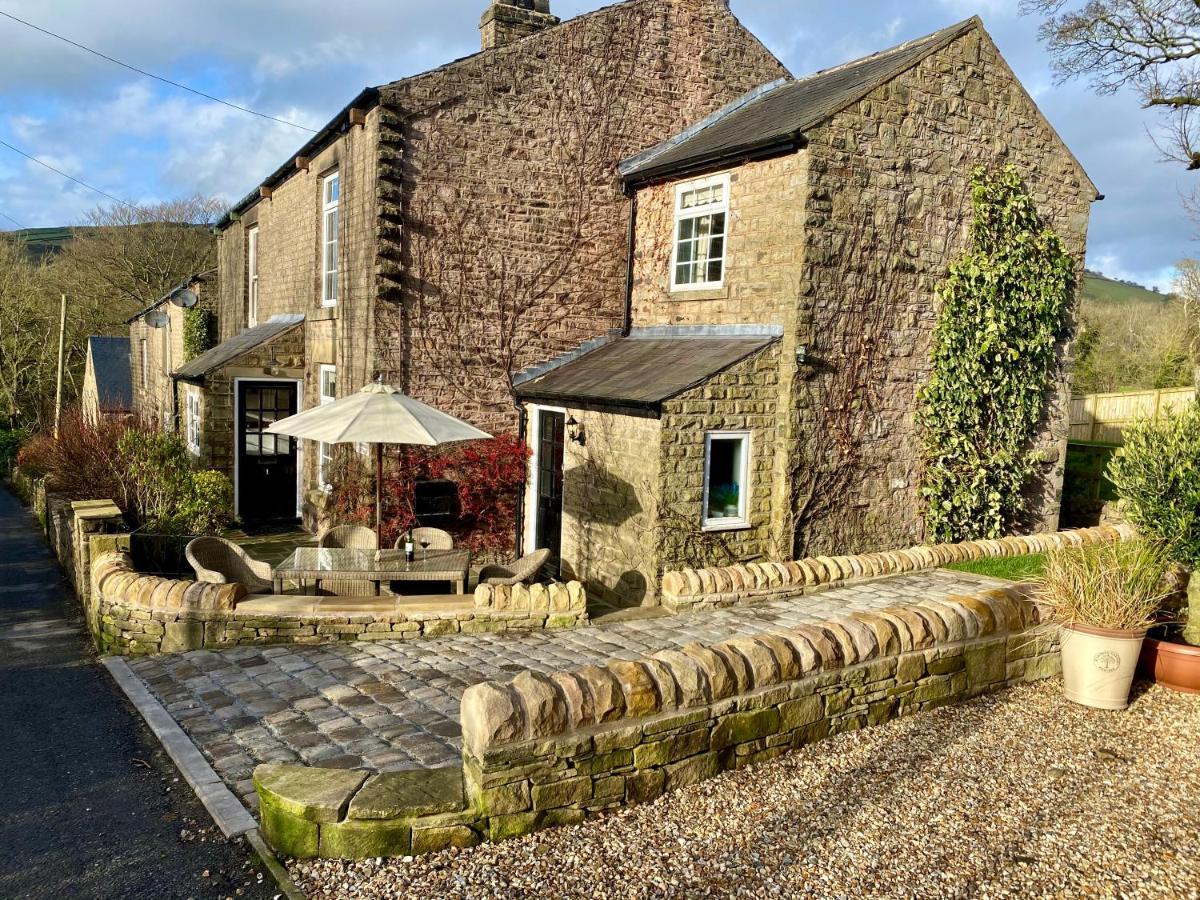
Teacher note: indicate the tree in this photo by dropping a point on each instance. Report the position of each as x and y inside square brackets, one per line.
[28, 335]
[1152, 46]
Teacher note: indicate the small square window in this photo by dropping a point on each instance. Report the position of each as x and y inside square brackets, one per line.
[726, 480]
[701, 213]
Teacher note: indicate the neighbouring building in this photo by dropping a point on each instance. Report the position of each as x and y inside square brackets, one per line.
[760, 401]
[443, 231]
[107, 392]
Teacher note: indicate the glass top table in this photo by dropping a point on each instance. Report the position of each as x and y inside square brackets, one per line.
[335, 564]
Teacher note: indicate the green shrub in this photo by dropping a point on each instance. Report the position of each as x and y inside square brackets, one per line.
[199, 332]
[1004, 310]
[162, 491]
[1157, 474]
[11, 440]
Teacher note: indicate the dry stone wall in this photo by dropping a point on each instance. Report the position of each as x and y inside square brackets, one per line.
[545, 750]
[134, 614]
[720, 586]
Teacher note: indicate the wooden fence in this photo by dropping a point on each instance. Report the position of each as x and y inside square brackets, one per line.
[1100, 418]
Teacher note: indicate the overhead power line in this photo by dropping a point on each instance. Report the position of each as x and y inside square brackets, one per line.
[4, 215]
[44, 165]
[175, 84]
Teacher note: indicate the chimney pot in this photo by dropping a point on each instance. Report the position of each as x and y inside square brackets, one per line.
[506, 21]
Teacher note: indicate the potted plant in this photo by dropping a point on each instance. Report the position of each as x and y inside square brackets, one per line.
[1105, 597]
[1157, 475]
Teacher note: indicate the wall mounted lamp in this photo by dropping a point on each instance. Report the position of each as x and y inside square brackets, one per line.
[575, 431]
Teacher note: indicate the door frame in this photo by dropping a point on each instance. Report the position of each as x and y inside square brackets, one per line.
[533, 435]
[237, 450]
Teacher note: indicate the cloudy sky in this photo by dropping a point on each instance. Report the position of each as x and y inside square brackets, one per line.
[141, 140]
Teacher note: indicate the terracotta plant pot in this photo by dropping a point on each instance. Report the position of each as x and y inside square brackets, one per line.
[1172, 664]
[1098, 665]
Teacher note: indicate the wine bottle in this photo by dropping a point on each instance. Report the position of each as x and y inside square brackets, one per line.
[408, 546]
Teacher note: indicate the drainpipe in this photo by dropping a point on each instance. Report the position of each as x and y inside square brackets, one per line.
[627, 322]
[521, 430]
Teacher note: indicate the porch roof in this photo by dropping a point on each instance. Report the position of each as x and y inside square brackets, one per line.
[227, 351]
[645, 368]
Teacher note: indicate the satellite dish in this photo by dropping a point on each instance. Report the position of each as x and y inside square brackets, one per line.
[156, 318]
[186, 298]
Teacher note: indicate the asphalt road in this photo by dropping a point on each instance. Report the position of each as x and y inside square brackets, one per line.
[90, 806]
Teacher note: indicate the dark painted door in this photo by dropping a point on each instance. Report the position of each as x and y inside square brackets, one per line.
[266, 462]
[551, 426]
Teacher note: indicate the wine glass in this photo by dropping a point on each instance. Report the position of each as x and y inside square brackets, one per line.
[424, 542]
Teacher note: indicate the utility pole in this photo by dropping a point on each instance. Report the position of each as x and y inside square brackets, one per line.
[62, 333]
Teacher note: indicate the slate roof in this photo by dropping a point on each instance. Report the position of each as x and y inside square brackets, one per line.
[774, 118]
[109, 358]
[647, 367]
[227, 351]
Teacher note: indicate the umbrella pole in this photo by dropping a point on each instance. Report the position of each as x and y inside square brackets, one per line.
[378, 488]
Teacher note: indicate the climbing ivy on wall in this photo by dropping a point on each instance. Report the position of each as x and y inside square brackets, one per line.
[199, 332]
[1005, 304]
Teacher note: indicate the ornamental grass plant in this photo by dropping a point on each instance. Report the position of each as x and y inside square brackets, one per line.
[1117, 586]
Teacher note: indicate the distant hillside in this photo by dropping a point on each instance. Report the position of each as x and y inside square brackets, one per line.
[1107, 290]
[43, 242]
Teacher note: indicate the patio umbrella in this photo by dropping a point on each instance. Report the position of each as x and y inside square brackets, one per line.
[378, 414]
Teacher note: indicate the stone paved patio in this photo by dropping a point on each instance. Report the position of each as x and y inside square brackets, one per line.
[393, 705]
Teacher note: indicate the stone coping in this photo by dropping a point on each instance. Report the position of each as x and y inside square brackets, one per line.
[534, 707]
[132, 613]
[546, 750]
[725, 585]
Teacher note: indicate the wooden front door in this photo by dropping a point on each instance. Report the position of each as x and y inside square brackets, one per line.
[266, 462]
[551, 426]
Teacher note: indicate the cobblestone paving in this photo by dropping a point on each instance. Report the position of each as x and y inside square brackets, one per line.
[393, 705]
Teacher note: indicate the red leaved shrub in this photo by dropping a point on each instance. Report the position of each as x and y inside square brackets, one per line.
[83, 462]
[488, 476]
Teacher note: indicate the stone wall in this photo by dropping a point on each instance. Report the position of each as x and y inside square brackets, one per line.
[503, 225]
[546, 750]
[132, 614]
[742, 398]
[888, 210]
[610, 506]
[720, 586]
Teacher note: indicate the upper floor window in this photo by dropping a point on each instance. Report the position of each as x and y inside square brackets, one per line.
[726, 480]
[330, 194]
[145, 353]
[328, 393]
[701, 209]
[193, 422]
[252, 278]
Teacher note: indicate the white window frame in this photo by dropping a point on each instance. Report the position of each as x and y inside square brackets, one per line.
[742, 519]
[193, 422]
[329, 240]
[145, 364]
[696, 212]
[324, 450]
[252, 277]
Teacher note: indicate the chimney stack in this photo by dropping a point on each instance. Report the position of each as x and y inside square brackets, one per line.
[508, 20]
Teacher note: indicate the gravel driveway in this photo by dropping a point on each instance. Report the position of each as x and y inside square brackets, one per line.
[1017, 794]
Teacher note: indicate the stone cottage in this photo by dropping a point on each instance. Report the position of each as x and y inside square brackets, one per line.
[759, 401]
[107, 391]
[446, 231]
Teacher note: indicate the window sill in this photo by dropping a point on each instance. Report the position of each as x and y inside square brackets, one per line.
[717, 293]
[325, 313]
[726, 526]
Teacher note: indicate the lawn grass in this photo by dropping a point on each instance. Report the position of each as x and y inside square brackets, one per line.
[1014, 568]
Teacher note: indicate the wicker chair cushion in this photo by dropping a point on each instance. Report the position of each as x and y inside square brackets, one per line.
[523, 570]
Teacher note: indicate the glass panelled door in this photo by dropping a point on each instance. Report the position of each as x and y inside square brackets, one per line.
[548, 533]
[266, 462]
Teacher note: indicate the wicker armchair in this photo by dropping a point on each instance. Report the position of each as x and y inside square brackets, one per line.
[349, 537]
[523, 571]
[219, 561]
[437, 539]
